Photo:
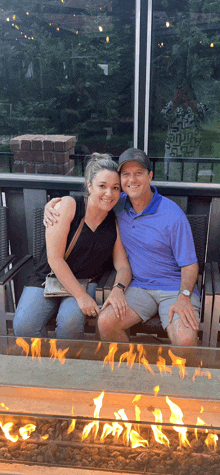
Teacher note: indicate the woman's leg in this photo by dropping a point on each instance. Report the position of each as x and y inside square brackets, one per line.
[70, 319]
[33, 312]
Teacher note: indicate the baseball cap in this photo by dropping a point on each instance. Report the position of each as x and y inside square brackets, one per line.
[134, 154]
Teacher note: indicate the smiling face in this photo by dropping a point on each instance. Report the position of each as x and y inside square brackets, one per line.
[104, 191]
[136, 180]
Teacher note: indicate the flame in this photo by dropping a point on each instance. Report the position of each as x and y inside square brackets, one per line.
[6, 429]
[129, 355]
[3, 405]
[179, 362]
[98, 347]
[107, 429]
[54, 353]
[198, 372]
[45, 437]
[136, 440]
[146, 365]
[201, 410]
[157, 430]
[78, 352]
[113, 347]
[95, 424]
[36, 348]
[141, 352]
[137, 398]
[199, 422]
[161, 364]
[156, 390]
[127, 425]
[73, 423]
[211, 440]
[26, 431]
[24, 345]
[176, 416]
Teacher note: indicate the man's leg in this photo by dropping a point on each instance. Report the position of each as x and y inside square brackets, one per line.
[111, 328]
[141, 307]
[177, 332]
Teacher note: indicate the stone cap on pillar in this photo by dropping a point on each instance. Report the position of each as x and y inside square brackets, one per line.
[57, 143]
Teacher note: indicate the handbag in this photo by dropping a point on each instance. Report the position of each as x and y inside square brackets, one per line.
[52, 286]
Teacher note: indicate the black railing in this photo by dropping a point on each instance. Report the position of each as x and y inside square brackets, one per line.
[162, 167]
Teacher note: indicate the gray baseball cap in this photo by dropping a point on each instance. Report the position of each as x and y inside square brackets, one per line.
[134, 155]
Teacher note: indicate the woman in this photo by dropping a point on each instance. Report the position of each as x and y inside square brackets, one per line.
[98, 243]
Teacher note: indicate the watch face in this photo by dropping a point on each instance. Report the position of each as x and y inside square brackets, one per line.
[185, 292]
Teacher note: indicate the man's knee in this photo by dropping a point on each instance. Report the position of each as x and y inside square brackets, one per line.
[181, 335]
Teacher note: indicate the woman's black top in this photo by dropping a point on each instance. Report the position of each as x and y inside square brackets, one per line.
[92, 253]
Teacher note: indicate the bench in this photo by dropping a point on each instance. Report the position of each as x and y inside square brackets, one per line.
[23, 193]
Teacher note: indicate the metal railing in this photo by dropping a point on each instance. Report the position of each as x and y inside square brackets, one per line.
[161, 173]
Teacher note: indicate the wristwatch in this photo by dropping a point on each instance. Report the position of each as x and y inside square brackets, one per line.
[120, 286]
[185, 292]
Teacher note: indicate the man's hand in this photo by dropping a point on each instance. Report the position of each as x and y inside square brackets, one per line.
[185, 309]
[50, 213]
[118, 302]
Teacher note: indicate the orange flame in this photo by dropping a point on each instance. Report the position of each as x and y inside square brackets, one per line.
[54, 353]
[24, 345]
[146, 365]
[98, 347]
[45, 437]
[127, 425]
[137, 398]
[177, 416]
[95, 424]
[161, 364]
[73, 423]
[199, 422]
[3, 405]
[141, 352]
[201, 410]
[157, 430]
[26, 431]
[156, 390]
[113, 347]
[198, 372]
[129, 355]
[36, 348]
[6, 429]
[211, 440]
[136, 440]
[107, 429]
[179, 362]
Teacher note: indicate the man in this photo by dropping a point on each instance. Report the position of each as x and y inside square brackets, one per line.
[158, 240]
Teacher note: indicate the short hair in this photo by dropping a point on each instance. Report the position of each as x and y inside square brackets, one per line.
[98, 162]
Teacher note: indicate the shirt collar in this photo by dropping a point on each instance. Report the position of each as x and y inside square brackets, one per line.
[151, 208]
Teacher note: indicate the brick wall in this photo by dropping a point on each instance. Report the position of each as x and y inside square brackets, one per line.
[44, 154]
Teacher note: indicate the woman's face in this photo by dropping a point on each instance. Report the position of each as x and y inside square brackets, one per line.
[104, 190]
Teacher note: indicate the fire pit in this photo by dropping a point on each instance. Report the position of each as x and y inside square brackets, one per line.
[108, 408]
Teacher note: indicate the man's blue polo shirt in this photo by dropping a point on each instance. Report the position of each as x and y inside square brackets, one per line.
[158, 242]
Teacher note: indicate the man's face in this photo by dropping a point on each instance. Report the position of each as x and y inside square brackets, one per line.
[135, 180]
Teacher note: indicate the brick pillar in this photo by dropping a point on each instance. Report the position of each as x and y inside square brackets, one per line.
[44, 154]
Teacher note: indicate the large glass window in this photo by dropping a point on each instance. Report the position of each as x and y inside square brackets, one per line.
[67, 67]
[185, 90]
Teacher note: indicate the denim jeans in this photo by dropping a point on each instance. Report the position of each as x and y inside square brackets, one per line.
[34, 311]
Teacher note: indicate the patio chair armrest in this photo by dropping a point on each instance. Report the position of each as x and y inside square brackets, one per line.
[6, 262]
[100, 288]
[109, 283]
[207, 298]
[215, 327]
[4, 278]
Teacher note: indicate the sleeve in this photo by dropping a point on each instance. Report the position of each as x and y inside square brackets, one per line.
[182, 242]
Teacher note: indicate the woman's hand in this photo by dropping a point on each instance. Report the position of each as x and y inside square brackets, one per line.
[117, 299]
[88, 305]
[50, 213]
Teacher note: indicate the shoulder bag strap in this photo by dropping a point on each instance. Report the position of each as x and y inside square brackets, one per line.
[76, 235]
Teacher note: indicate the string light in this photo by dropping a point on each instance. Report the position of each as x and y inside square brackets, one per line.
[107, 39]
[77, 32]
[100, 28]
[8, 19]
[167, 24]
[58, 29]
[212, 45]
[27, 13]
[14, 17]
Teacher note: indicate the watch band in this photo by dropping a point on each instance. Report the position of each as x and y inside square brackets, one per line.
[120, 286]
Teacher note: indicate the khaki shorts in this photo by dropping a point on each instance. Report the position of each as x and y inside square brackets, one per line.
[147, 303]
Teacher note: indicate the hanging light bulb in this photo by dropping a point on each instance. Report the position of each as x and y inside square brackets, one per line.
[167, 24]
[100, 28]
[107, 39]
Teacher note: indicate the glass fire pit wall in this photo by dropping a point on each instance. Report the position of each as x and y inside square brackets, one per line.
[118, 444]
